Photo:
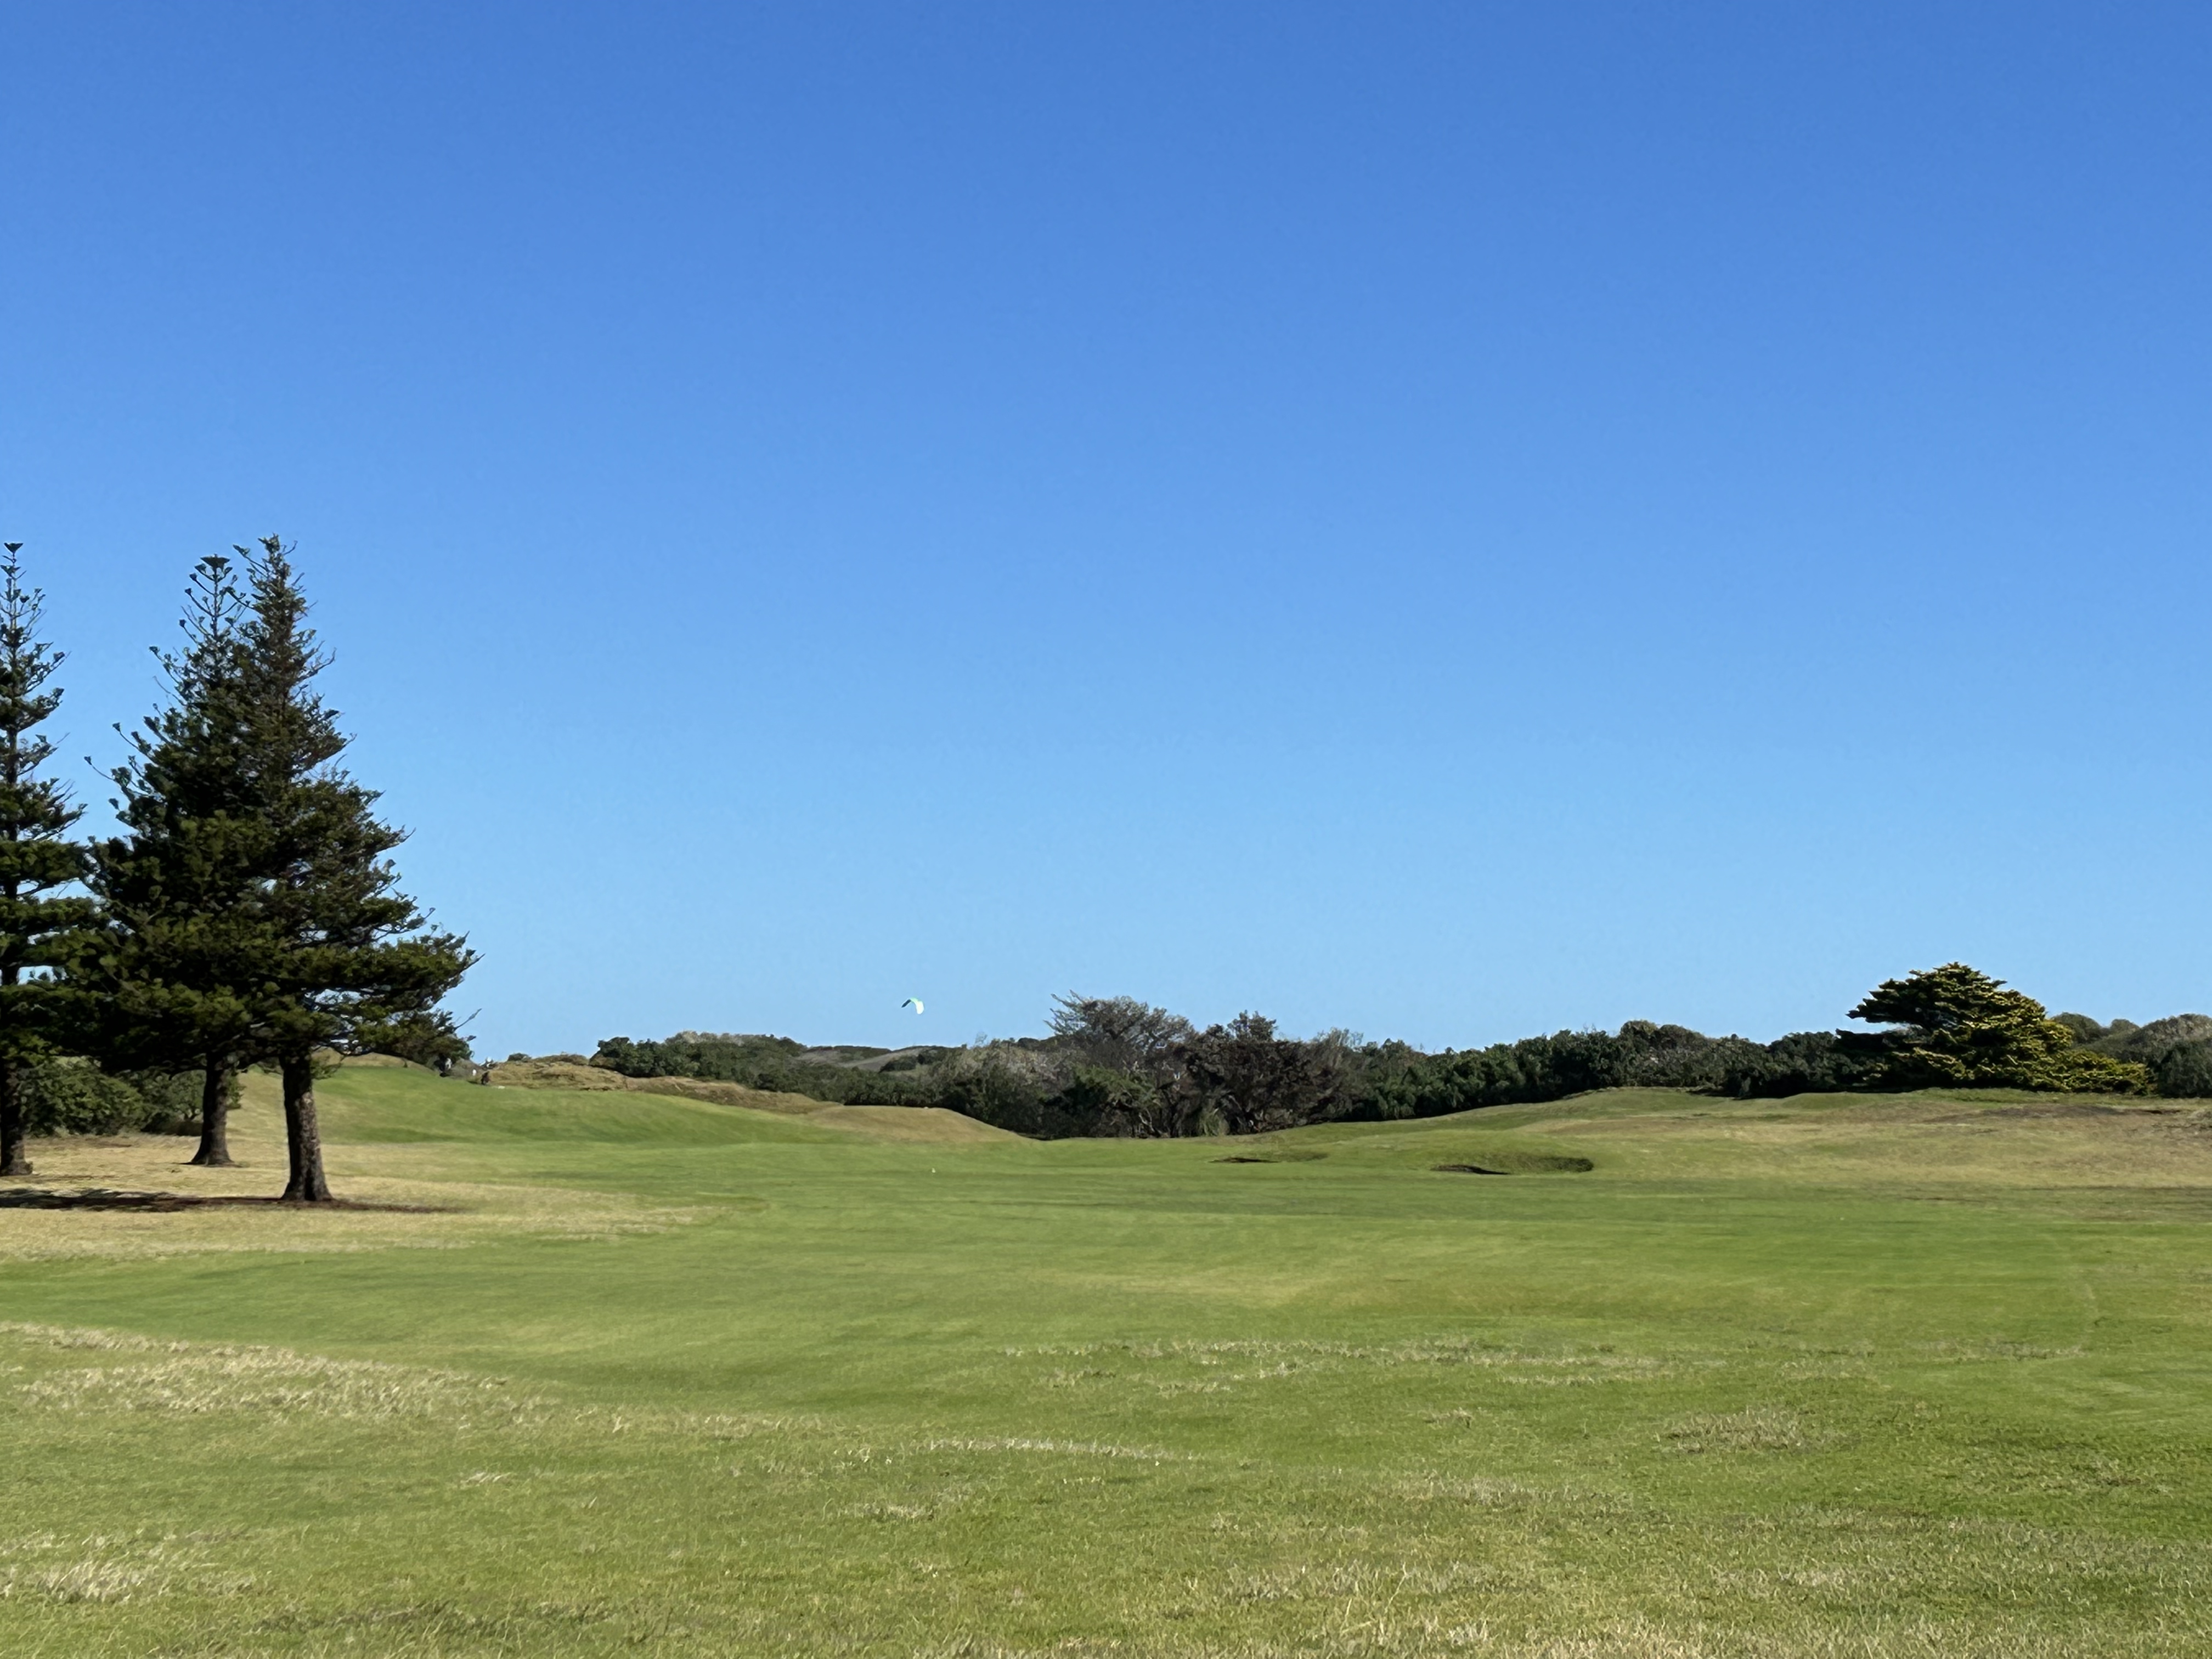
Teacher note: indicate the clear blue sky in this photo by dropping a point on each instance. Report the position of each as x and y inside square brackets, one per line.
[1449, 520]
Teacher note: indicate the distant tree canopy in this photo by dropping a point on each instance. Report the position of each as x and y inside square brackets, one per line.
[848, 1076]
[1244, 1079]
[2176, 1050]
[1640, 1054]
[1120, 1034]
[1119, 1065]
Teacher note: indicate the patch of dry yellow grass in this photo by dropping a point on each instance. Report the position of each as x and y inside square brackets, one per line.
[439, 1214]
[102, 1569]
[193, 1379]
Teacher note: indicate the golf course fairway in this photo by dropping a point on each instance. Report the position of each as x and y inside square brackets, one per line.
[593, 1374]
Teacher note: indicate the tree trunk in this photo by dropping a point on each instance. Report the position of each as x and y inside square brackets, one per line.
[12, 1161]
[214, 1117]
[303, 1135]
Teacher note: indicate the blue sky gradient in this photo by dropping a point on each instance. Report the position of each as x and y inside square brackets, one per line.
[1452, 520]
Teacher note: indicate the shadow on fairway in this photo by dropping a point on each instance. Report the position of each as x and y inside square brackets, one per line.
[1523, 1163]
[101, 1198]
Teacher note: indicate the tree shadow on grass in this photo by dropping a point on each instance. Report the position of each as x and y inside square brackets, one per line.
[107, 1198]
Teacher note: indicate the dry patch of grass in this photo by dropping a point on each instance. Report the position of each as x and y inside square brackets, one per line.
[193, 1379]
[1316, 1355]
[102, 1196]
[1064, 1448]
[1758, 1429]
[97, 1568]
[917, 1541]
[1176, 1368]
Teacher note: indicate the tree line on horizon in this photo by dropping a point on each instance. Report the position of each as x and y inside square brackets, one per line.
[1119, 1065]
[245, 913]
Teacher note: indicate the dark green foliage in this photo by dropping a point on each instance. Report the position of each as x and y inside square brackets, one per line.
[1116, 1066]
[1460, 1081]
[68, 1094]
[2125, 1039]
[1242, 1078]
[174, 1099]
[1097, 1100]
[2177, 1050]
[1024, 1087]
[720, 1059]
[2185, 1072]
[1120, 1067]
[177, 971]
[1640, 1054]
[430, 1038]
[252, 908]
[40, 929]
[1958, 1027]
[340, 949]
[1803, 1062]
[1120, 1034]
[780, 1065]
[65, 1096]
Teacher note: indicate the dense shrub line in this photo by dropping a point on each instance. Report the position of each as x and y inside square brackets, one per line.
[1117, 1066]
[72, 1095]
[777, 1064]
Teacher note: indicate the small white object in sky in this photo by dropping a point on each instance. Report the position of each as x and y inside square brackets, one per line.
[914, 1003]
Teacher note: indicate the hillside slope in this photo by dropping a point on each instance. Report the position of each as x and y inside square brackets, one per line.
[932, 1125]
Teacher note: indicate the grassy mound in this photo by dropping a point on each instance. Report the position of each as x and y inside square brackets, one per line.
[387, 1105]
[927, 1125]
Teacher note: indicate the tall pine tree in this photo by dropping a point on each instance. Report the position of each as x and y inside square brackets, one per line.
[40, 928]
[343, 950]
[183, 887]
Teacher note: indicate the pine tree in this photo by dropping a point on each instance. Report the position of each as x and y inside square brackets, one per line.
[39, 928]
[343, 950]
[183, 887]
[1959, 1027]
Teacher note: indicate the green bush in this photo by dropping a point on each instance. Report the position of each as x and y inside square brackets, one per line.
[2148, 1044]
[2185, 1072]
[773, 1063]
[65, 1095]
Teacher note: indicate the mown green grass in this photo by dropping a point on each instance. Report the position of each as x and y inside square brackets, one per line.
[390, 1105]
[1834, 1376]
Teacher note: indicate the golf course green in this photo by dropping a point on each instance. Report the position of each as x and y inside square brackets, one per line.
[597, 1374]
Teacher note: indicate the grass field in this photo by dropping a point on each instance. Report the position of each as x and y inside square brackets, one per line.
[626, 1374]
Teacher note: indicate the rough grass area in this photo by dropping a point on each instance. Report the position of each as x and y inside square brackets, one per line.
[1919, 1377]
